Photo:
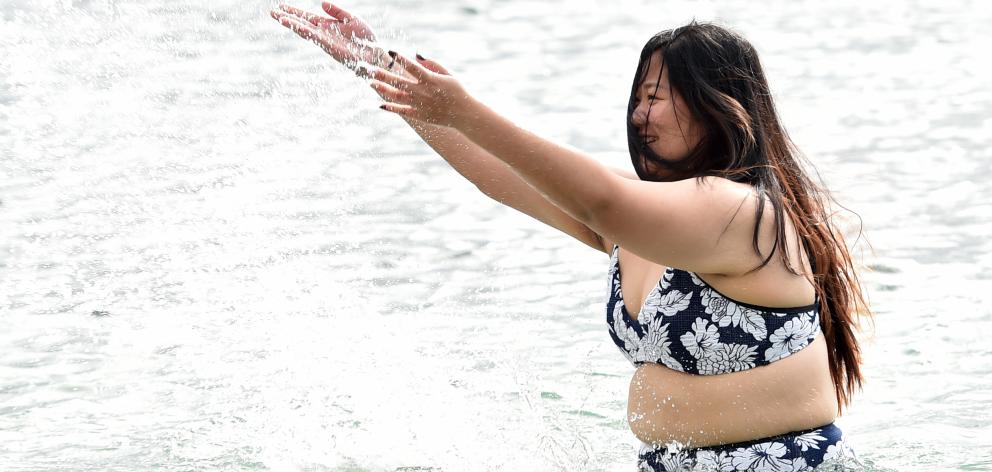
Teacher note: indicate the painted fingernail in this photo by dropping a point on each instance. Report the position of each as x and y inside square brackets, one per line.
[382, 107]
[420, 57]
[392, 54]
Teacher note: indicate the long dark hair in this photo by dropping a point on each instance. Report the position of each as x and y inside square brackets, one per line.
[719, 77]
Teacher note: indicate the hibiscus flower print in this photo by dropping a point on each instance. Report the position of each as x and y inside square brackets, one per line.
[834, 451]
[765, 456]
[714, 461]
[677, 462]
[840, 454]
[672, 456]
[702, 339]
[794, 335]
[797, 464]
[727, 313]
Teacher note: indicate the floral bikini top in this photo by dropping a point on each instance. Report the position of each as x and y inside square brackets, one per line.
[688, 326]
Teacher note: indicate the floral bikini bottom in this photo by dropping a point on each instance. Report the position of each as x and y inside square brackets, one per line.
[819, 449]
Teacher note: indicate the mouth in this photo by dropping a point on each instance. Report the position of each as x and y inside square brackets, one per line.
[648, 139]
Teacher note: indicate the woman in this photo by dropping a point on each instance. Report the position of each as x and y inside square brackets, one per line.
[736, 297]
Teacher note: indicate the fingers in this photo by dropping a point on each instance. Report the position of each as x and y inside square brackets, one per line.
[405, 110]
[304, 15]
[418, 71]
[388, 92]
[316, 20]
[384, 76]
[432, 66]
[337, 12]
[308, 31]
[394, 90]
[361, 32]
[304, 29]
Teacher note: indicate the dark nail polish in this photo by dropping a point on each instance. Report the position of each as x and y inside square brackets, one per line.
[392, 54]
[420, 57]
[382, 107]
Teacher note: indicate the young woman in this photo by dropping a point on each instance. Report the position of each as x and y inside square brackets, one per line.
[737, 297]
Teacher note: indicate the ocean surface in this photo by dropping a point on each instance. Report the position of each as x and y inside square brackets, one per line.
[217, 253]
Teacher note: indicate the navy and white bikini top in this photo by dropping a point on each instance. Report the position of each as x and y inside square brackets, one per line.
[688, 326]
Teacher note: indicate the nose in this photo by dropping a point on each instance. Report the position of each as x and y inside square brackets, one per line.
[640, 116]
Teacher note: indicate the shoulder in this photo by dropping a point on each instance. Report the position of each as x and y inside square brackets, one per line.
[725, 193]
[718, 218]
[721, 187]
[703, 190]
[714, 201]
[699, 224]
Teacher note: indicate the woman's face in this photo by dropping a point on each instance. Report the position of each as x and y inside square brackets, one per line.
[662, 118]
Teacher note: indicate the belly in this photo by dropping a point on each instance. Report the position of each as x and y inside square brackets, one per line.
[791, 394]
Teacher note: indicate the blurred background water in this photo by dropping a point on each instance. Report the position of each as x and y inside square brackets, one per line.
[216, 253]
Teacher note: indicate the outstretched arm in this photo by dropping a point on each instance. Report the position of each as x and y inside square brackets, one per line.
[497, 181]
[685, 224]
[350, 41]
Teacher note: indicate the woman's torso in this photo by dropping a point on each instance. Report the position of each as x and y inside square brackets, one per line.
[794, 391]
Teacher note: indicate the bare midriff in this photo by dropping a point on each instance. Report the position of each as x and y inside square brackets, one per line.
[791, 394]
[664, 405]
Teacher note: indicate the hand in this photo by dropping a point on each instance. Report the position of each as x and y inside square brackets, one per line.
[430, 94]
[345, 37]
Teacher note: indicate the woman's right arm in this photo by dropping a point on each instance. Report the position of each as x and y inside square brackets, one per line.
[497, 181]
[494, 178]
[351, 42]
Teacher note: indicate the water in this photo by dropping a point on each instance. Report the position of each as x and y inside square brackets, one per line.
[217, 253]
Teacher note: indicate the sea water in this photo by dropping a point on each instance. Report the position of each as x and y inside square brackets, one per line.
[217, 253]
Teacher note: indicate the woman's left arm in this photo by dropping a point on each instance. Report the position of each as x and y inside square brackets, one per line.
[681, 224]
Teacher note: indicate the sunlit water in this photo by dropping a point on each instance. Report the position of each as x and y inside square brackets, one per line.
[217, 253]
